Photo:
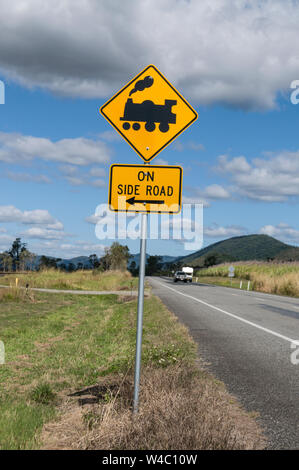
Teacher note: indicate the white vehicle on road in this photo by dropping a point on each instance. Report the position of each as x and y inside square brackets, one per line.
[184, 275]
[189, 273]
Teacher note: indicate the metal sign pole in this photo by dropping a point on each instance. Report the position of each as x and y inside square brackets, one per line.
[143, 237]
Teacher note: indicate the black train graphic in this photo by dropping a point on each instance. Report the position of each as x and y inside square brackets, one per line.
[150, 113]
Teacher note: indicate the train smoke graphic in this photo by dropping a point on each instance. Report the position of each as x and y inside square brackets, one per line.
[142, 84]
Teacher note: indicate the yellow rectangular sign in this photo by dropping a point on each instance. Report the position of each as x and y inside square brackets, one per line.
[145, 188]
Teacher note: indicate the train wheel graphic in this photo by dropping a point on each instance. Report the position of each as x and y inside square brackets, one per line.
[164, 127]
[126, 126]
[150, 126]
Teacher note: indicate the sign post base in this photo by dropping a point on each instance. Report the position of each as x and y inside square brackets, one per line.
[143, 236]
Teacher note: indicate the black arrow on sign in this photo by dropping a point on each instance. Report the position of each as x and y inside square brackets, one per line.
[132, 201]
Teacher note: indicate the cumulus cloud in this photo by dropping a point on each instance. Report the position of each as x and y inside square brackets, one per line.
[58, 248]
[161, 161]
[239, 53]
[190, 145]
[282, 231]
[17, 148]
[27, 177]
[98, 172]
[69, 170]
[83, 180]
[5, 239]
[44, 233]
[10, 214]
[216, 231]
[110, 136]
[205, 196]
[270, 179]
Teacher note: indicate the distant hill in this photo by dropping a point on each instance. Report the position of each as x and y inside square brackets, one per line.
[244, 248]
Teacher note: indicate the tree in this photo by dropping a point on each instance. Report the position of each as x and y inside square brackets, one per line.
[25, 256]
[210, 260]
[16, 249]
[133, 269]
[71, 267]
[153, 265]
[46, 262]
[94, 261]
[116, 257]
[6, 261]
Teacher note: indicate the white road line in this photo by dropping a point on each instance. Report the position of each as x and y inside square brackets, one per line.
[271, 332]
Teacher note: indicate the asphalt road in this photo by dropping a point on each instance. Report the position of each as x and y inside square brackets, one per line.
[246, 339]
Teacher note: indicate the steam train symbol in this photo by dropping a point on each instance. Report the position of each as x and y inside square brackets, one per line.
[150, 113]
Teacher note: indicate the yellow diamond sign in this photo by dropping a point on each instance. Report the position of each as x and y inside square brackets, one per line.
[149, 113]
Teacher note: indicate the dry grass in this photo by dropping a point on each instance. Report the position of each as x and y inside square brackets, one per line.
[14, 294]
[286, 284]
[77, 280]
[273, 278]
[181, 408]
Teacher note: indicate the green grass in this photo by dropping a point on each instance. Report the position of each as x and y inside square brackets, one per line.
[55, 344]
[78, 280]
[225, 281]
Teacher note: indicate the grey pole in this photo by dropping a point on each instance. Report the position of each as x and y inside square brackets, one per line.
[143, 236]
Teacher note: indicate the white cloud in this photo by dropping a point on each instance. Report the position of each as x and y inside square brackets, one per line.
[160, 161]
[216, 231]
[196, 199]
[238, 52]
[215, 191]
[98, 183]
[17, 148]
[44, 233]
[76, 180]
[5, 239]
[190, 145]
[204, 196]
[271, 179]
[282, 231]
[65, 250]
[84, 180]
[11, 214]
[110, 136]
[68, 170]
[27, 177]
[98, 172]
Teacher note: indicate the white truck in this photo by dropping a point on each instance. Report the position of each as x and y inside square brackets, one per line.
[189, 273]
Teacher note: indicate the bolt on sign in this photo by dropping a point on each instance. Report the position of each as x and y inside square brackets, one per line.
[149, 113]
[139, 188]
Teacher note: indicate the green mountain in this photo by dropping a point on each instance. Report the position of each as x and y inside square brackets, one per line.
[247, 247]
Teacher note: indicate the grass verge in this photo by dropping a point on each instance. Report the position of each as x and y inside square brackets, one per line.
[272, 278]
[77, 280]
[68, 378]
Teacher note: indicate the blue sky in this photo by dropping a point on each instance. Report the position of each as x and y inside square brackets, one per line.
[240, 158]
